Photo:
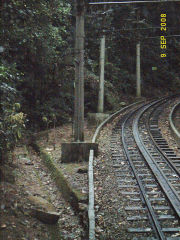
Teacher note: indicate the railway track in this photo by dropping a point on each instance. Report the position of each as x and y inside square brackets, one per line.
[174, 120]
[148, 174]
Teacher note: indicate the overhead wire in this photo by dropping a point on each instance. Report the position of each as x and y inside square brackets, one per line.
[128, 2]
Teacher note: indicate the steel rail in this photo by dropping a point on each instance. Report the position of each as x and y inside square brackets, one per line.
[176, 133]
[152, 214]
[91, 211]
[161, 178]
[156, 145]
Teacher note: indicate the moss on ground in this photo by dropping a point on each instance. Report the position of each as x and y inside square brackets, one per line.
[71, 195]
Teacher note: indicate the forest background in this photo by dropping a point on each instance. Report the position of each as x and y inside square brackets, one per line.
[37, 63]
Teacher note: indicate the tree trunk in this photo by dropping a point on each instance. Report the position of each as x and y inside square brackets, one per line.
[101, 82]
[79, 72]
[138, 71]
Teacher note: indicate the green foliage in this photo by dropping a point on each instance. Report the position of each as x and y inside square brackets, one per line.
[36, 37]
[120, 24]
[11, 120]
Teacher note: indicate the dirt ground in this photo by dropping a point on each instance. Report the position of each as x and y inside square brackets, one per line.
[25, 178]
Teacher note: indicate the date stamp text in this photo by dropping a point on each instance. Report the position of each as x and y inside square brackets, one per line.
[162, 37]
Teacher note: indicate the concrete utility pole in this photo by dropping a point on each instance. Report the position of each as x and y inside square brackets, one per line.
[79, 73]
[78, 150]
[138, 58]
[101, 81]
[138, 71]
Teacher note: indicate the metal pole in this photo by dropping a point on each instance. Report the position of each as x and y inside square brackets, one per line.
[101, 82]
[79, 73]
[138, 71]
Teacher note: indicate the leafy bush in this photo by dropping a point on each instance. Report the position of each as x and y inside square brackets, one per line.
[11, 119]
[36, 37]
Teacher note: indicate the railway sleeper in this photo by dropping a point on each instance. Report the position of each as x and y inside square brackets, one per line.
[139, 230]
[139, 218]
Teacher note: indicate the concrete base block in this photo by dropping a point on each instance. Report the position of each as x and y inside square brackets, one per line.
[97, 118]
[77, 151]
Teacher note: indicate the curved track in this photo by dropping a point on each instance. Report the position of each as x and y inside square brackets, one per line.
[150, 176]
[173, 118]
